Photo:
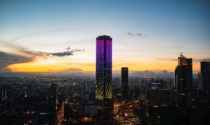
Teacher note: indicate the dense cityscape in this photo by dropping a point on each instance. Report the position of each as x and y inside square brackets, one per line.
[121, 100]
[104, 62]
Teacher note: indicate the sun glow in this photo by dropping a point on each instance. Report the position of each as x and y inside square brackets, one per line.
[65, 65]
[50, 64]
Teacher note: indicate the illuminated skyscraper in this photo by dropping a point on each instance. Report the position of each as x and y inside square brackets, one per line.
[124, 80]
[104, 79]
[183, 82]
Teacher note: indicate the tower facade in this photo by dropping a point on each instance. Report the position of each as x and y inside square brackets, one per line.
[124, 80]
[183, 82]
[104, 79]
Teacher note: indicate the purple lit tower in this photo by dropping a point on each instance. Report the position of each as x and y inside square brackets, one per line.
[104, 79]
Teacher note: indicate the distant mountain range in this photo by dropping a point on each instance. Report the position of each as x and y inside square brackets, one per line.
[147, 73]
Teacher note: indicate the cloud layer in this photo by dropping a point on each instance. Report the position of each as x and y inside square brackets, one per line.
[135, 34]
[7, 59]
[174, 59]
[17, 54]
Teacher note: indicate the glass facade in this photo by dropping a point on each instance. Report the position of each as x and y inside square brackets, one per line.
[103, 67]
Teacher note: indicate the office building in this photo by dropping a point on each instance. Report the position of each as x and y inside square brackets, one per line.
[124, 80]
[104, 80]
[183, 82]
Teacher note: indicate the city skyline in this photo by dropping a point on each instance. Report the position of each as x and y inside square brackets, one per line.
[146, 35]
[97, 62]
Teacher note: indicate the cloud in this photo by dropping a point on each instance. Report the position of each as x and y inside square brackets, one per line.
[69, 52]
[38, 33]
[29, 53]
[176, 59]
[18, 50]
[139, 34]
[7, 59]
[78, 50]
[130, 34]
[135, 34]
[61, 54]
[14, 54]
[167, 59]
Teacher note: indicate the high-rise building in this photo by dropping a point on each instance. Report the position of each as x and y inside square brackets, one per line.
[104, 79]
[183, 82]
[124, 80]
[205, 78]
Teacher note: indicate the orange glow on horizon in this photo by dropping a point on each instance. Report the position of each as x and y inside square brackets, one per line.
[52, 66]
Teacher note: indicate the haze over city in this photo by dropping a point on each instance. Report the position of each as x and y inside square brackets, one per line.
[53, 36]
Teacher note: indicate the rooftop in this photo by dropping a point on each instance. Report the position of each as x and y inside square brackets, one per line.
[104, 37]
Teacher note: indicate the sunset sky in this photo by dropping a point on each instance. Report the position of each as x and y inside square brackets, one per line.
[147, 34]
